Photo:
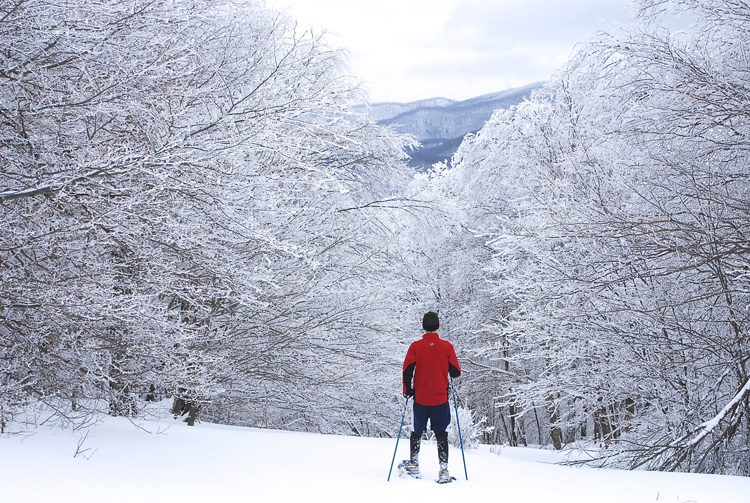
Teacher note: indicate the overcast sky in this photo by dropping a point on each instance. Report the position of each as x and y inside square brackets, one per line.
[407, 50]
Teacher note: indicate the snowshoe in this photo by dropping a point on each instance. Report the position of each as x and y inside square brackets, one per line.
[444, 477]
[408, 468]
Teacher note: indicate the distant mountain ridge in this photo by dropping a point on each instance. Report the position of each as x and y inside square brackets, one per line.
[440, 124]
[389, 110]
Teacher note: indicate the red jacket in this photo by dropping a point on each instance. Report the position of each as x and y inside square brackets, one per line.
[429, 361]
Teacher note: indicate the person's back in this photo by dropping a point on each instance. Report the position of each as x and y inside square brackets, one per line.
[431, 359]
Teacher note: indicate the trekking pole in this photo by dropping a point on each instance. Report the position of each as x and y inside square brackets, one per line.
[458, 423]
[397, 438]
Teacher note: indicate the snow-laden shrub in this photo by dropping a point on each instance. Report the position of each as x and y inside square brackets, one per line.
[472, 428]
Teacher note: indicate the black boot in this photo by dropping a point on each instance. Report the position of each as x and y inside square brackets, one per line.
[414, 444]
[411, 467]
[442, 445]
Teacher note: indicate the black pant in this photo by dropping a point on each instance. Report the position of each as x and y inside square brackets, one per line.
[439, 416]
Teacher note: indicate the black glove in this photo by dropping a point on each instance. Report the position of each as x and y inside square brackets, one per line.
[409, 392]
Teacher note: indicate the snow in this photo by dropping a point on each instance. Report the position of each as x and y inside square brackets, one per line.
[155, 460]
[708, 426]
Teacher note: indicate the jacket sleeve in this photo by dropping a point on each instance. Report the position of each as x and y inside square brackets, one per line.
[454, 369]
[410, 362]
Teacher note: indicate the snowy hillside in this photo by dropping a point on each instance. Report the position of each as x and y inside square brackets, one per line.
[166, 460]
[451, 120]
[440, 124]
[388, 110]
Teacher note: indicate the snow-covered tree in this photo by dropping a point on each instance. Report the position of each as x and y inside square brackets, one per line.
[175, 185]
[616, 205]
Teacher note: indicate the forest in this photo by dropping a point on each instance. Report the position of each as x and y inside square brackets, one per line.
[192, 210]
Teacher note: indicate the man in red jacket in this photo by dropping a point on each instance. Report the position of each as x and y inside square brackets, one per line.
[428, 362]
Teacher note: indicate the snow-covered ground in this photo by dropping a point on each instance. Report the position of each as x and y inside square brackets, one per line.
[168, 461]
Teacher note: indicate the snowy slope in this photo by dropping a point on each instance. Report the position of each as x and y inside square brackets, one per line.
[440, 124]
[211, 463]
[444, 119]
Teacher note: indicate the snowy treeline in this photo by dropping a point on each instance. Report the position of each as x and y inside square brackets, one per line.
[190, 209]
[605, 284]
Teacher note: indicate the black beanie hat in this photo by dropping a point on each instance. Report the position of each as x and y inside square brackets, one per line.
[430, 322]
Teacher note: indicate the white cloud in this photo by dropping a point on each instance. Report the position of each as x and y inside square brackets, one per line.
[412, 49]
